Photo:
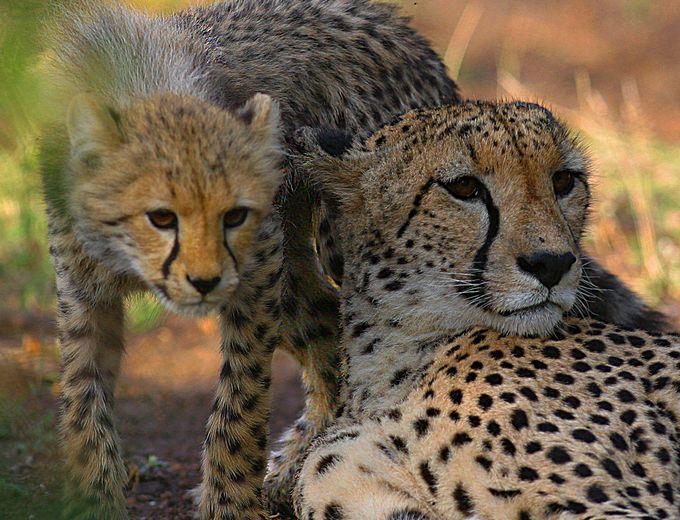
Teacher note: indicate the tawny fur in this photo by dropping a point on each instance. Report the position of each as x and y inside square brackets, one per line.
[441, 423]
[161, 114]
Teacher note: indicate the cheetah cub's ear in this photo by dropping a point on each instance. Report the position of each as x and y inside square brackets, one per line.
[261, 114]
[93, 130]
[329, 159]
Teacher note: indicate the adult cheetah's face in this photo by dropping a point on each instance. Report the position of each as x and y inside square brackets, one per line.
[173, 191]
[467, 215]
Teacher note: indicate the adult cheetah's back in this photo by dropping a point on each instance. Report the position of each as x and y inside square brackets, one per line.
[348, 64]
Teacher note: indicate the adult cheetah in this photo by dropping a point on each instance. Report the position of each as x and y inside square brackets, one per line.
[464, 217]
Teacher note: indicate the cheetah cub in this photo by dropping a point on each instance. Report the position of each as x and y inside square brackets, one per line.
[160, 175]
[453, 220]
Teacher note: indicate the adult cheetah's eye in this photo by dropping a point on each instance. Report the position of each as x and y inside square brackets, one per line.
[464, 188]
[162, 219]
[235, 217]
[563, 182]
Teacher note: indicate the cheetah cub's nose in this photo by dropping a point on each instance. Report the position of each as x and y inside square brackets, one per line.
[203, 285]
[547, 268]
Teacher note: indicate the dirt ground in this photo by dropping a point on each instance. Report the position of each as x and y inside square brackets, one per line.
[163, 401]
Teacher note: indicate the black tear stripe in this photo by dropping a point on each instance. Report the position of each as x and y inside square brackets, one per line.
[416, 204]
[171, 257]
[478, 289]
[231, 253]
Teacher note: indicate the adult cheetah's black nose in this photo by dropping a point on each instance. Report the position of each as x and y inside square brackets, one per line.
[203, 285]
[547, 268]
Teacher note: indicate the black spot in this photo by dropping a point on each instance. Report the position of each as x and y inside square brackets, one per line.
[582, 470]
[360, 328]
[576, 507]
[595, 345]
[508, 397]
[460, 439]
[625, 396]
[394, 285]
[558, 455]
[551, 352]
[456, 396]
[399, 443]
[628, 416]
[527, 474]
[564, 379]
[528, 393]
[463, 500]
[428, 477]
[474, 421]
[505, 493]
[485, 401]
[494, 379]
[444, 454]
[612, 468]
[493, 428]
[547, 427]
[552, 393]
[596, 494]
[572, 401]
[519, 419]
[594, 389]
[421, 426]
[533, 447]
[563, 414]
[433, 412]
[483, 462]
[508, 447]
[333, 512]
[399, 376]
[557, 479]
[326, 463]
[583, 435]
[525, 372]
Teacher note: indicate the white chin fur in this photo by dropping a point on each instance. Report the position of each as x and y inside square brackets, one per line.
[195, 310]
[539, 321]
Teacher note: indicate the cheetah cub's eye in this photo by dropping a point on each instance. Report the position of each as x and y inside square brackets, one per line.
[464, 188]
[235, 217]
[162, 219]
[563, 182]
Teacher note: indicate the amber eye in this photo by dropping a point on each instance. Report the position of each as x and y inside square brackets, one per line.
[563, 182]
[162, 219]
[464, 188]
[235, 217]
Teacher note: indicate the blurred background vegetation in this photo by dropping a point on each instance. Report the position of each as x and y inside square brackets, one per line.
[609, 68]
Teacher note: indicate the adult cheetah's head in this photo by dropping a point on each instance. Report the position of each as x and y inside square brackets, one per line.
[462, 215]
[173, 189]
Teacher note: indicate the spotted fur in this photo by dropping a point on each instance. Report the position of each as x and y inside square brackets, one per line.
[163, 114]
[531, 416]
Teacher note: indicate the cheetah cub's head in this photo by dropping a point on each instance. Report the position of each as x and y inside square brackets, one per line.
[172, 190]
[462, 215]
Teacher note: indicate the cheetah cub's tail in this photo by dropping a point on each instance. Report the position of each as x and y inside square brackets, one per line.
[116, 54]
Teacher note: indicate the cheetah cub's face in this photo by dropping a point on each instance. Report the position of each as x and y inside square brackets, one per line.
[172, 190]
[464, 215]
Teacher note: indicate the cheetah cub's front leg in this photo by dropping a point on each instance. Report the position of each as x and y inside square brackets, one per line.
[234, 457]
[90, 330]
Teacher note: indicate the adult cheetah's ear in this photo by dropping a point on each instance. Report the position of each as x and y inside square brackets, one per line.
[331, 162]
[261, 114]
[93, 129]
